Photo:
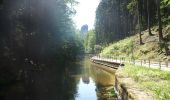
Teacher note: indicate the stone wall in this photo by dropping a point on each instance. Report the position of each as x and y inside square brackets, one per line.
[128, 89]
[125, 87]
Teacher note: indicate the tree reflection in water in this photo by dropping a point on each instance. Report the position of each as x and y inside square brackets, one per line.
[50, 84]
[93, 82]
[80, 80]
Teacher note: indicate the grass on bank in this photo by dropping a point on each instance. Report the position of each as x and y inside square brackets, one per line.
[153, 80]
[129, 47]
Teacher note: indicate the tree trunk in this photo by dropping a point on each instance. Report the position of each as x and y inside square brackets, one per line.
[148, 11]
[159, 21]
[126, 20]
[119, 19]
[139, 23]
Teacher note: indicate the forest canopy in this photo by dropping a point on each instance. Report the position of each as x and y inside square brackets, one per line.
[36, 32]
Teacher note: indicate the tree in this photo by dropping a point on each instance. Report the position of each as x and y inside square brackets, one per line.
[117, 19]
[36, 33]
[90, 42]
[139, 22]
[159, 21]
[111, 23]
[148, 12]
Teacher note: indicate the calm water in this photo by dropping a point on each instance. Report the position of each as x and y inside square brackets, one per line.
[93, 82]
[81, 80]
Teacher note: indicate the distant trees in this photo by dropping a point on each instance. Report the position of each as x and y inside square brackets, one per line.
[90, 41]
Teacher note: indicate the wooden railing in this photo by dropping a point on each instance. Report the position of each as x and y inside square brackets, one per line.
[151, 63]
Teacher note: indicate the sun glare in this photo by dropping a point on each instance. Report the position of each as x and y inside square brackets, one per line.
[85, 13]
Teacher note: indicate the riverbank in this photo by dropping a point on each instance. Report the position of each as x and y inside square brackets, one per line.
[154, 82]
[140, 83]
[128, 89]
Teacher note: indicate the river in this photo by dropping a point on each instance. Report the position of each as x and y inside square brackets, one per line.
[81, 80]
[93, 82]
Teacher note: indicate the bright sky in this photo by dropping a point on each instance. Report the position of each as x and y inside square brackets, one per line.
[85, 13]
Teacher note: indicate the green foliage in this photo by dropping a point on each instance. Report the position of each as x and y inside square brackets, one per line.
[90, 41]
[120, 48]
[132, 6]
[165, 3]
[39, 31]
[130, 48]
[79, 42]
[154, 80]
[97, 49]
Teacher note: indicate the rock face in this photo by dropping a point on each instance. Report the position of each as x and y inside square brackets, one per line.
[128, 89]
[84, 30]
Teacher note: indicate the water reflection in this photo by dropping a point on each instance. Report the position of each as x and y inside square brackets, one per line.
[77, 81]
[86, 91]
[101, 76]
[50, 84]
[93, 83]
[104, 83]
[85, 79]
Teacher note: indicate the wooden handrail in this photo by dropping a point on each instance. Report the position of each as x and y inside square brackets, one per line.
[150, 62]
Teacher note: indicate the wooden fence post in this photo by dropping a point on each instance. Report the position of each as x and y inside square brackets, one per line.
[141, 62]
[167, 63]
[149, 63]
[160, 64]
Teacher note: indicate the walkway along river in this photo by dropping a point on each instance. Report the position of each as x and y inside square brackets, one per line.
[125, 87]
